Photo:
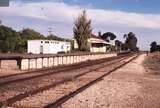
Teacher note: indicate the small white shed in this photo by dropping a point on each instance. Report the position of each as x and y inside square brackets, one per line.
[48, 46]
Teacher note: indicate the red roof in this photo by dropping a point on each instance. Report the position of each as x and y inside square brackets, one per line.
[94, 36]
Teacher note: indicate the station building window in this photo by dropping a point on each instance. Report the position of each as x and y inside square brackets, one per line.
[46, 41]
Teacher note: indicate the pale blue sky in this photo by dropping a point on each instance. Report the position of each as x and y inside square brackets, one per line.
[119, 16]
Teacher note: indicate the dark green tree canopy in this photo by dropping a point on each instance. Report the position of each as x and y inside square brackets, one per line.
[131, 41]
[82, 31]
[54, 37]
[154, 43]
[108, 36]
[154, 47]
[118, 43]
[158, 47]
[10, 40]
[31, 34]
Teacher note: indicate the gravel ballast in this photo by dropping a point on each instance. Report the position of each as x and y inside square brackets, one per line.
[128, 87]
[51, 95]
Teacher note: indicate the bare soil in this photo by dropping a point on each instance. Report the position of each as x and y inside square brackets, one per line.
[152, 63]
[4, 72]
[133, 86]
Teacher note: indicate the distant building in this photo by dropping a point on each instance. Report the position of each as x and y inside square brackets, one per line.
[48, 46]
[97, 44]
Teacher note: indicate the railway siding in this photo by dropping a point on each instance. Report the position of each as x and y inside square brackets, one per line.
[52, 94]
[14, 85]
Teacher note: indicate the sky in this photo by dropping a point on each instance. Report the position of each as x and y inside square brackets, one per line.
[118, 16]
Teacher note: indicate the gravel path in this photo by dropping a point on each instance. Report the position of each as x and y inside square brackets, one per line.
[128, 87]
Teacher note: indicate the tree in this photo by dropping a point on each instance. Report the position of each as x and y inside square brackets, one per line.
[108, 36]
[54, 37]
[10, 40]
[158, 47]
[82, 31]
[118, 45]
[131, 41]
[29, 34]
[153, 47]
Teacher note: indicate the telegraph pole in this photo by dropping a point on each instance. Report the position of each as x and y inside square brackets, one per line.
[50, 31]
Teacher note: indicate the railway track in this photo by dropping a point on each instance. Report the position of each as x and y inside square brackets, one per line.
[18, 97]
[44, 72]
[63, 99]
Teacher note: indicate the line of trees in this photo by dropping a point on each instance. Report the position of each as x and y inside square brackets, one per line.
[129, 44]
[12, 41]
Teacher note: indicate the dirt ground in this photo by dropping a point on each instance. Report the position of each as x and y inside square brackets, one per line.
[152, 63]
[4, 72]
[133, 86]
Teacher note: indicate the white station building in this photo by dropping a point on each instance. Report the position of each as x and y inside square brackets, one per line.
[96, 44]
[48, 46]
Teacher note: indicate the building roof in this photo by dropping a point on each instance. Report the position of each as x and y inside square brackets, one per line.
[94, 36]
[98, 39]
[48, 40]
